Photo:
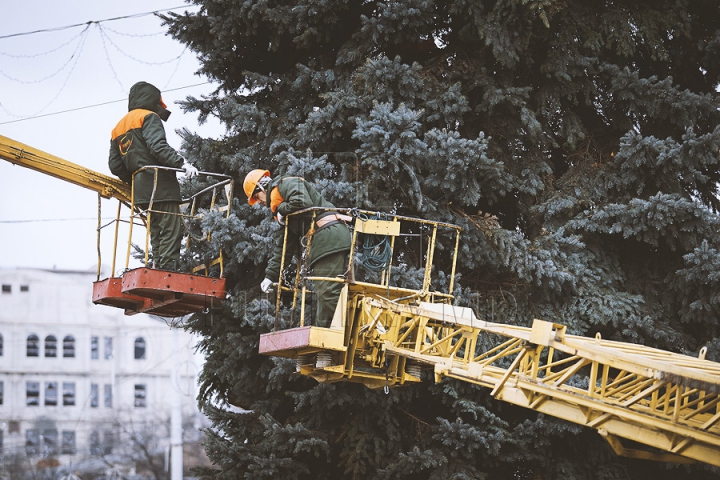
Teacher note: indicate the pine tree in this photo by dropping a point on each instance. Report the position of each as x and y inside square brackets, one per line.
[576, 143]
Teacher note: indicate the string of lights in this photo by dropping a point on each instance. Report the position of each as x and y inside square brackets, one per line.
[69, 65]
[41, 54]
[106, 37]
[110, 63]
[133, 35]
[177, 65]
[74, 55]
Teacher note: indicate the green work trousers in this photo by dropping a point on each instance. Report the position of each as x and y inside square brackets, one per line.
[166, 231]
[332, 265]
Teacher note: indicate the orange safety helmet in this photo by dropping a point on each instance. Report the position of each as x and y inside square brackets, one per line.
[251, 181]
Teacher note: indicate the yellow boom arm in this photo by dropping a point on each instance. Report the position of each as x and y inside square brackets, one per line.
[20, 154]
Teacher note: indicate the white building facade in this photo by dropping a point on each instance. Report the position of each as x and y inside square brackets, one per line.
[77, 378]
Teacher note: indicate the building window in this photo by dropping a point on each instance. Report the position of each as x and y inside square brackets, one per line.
[1, 345]
[50, 442]
[32, 441]
[2, 391]
[94, 348]
[104, 448]
[95, 443]
[33, 346]
[68, 442]
[140, 400]
[6, 288]
[108, 348]
[94, 395]
[68, 393]
[51, 393]
[14, 426]
[69, 346]
[24, 288]
[108, 442]
[108, 396]
[1, 442]
[139, 348]
[50, 346]
[32, 394]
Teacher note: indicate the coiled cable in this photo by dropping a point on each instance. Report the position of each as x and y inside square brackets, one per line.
[376, 249]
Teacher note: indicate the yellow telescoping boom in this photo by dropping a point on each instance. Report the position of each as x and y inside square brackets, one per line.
[34, 159]
[386, 335]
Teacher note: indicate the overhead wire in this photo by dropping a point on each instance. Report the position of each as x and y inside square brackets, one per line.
[41, 220]
[89, 22]
[91, 106]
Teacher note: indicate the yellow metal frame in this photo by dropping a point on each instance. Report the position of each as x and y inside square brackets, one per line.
[221, 183]
[363, 223]
[662, 399]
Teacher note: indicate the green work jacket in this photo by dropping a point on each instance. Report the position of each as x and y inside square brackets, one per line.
[290, 194]
[138, 141]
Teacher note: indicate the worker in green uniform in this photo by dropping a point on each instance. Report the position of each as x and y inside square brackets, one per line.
[139, 141]
[330, 244]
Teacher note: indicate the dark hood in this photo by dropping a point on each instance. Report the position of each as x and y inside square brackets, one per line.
[147, 96]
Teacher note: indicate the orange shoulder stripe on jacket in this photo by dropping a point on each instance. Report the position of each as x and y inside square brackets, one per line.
[275, 199]
[133, 119]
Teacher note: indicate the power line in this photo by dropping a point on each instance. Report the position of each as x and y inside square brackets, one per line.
[92, 106]
[55, 29]
[40, 220]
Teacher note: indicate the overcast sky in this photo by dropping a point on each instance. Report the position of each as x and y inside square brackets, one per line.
[45, 222]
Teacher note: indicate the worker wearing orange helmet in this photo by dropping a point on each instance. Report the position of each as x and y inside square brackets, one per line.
[328, 255]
